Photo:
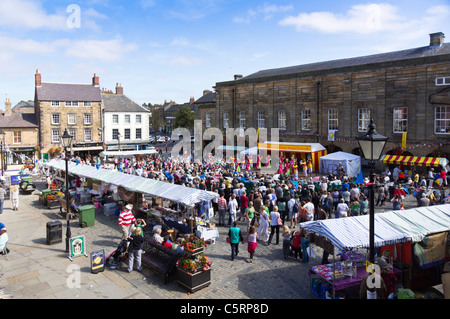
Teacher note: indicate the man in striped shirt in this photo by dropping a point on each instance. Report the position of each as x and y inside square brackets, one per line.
[222, 209]
[126, 219]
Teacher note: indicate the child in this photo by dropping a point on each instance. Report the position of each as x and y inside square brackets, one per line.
[251, 238]
[141, 224]
[135, 249]
[286, 241]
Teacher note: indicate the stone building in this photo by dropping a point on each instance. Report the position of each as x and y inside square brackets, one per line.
[77, 107]
[21, 135]
[405, 91]
[205, 107]
[126, 124]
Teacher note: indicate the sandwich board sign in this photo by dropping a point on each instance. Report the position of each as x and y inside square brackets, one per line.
[77, 247]
[98, 261]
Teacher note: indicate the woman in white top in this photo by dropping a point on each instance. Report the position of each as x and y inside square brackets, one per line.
[263, 224]
[232, 205]
[274, 227]
[342, 209]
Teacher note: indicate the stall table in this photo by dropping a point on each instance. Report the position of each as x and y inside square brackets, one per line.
[206, 233]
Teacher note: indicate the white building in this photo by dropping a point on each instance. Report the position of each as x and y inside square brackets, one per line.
[125, 123]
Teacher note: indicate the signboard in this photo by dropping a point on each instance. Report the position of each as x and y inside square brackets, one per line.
[98, 261]
[285, 147]
[404, 141]
[77, 247]
[15, 179]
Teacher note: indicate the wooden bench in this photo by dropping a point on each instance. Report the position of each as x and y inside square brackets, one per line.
[160, 258]
[63, 205]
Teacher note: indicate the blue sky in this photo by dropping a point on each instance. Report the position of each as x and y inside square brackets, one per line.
[174, 49]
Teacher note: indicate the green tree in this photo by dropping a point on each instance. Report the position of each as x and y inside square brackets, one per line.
[184, 118]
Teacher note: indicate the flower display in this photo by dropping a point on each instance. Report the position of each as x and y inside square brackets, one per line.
[193, 265]
[194, 243]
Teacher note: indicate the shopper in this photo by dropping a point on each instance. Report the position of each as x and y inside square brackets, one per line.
[252, 243]
[136, 242]
[126, 219]
[274, 225]
[15, 197]
[222, 209]
[235, 236]
[2, 197]
[263, 224]
[286, 241]
[232, 205]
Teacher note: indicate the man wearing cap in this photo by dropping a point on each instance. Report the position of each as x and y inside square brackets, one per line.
[126, 219]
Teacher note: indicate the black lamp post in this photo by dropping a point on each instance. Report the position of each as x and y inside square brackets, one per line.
[2, 135]
[372, 145]
[67, 141]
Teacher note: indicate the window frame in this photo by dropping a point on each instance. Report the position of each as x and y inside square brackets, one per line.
[281, 120]
[398, 120]
[446, 120]
[87, 116]
[207, 119]
[55, 103]
[58, 131]
[305, 120]
[73, 133]
[127, 119]
[261, 119]
[127, 130]
[85, 131]
[226, 120]
[138, 136]
[115, 118]
[362, 121]
[17, 137]
[115, 136]
[53, 115]
[68, 119]
[333, 111]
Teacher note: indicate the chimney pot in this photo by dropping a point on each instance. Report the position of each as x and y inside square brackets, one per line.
[37, 79]
[8, 110]
[437, 39]
[237, 76]
[119, 89]
[95, 80]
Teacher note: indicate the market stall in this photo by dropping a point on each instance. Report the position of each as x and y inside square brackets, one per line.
[330, 163]
[299, 150]
[414, 160]
[401, 234]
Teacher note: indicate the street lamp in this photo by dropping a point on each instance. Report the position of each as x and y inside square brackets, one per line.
[67, 141]
[2, 135]
[372, 145]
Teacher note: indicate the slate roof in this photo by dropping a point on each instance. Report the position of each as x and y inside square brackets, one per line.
[121, 103]
[68, 92]
[18, 120]
[19, 107]
[207, 98]
[427, 51]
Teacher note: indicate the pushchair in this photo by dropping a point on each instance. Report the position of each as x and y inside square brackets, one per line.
[115, 259]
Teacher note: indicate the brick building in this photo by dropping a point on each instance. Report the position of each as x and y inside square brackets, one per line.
[77, 107]
[405, 91]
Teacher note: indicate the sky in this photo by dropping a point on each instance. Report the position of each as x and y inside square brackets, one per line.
[172, 50]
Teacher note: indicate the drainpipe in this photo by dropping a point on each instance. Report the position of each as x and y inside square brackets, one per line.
[318, 112]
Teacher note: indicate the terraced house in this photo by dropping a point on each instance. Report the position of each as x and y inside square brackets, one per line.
[76, 107]
[405, 91]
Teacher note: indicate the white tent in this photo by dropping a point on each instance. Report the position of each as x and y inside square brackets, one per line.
[351, 163]
[250, 151]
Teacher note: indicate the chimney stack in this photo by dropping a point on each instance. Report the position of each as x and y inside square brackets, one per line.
[191, 100]
[119, 89]
[95, 80]
[238, 76]
[436, 39]
[8, 110]
[37, 79]
[205, 92]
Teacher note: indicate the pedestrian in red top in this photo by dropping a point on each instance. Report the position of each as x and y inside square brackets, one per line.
[126, 219]
[244, 204]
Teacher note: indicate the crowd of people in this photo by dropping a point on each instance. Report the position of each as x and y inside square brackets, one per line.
[270, 204]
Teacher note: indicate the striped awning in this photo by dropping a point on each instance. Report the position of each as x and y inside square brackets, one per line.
[412, 160]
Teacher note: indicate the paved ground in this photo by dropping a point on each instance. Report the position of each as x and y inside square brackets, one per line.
[35, 270]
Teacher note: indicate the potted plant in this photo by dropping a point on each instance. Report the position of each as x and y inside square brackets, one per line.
[194, 246]
[194, 272]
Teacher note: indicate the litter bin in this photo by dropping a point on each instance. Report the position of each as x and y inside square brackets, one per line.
[87, 215]
[45, 192]
[54, 232]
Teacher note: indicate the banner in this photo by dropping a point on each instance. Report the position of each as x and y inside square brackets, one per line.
[331, 134]
[404, 141]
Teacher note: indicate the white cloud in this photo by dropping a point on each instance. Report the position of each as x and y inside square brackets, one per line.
[266, 10]
[103, 50]
[184, 61]
[366, 19]
[147, 3]
[29, 15]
